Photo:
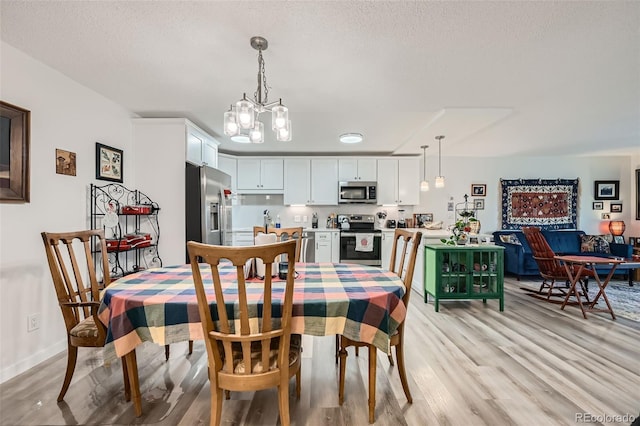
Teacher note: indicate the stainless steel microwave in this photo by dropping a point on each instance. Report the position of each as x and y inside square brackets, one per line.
[357, 192]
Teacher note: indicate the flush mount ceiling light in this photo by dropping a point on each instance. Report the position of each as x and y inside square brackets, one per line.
[424, 185]
[241, 121]
[439, 178]
[351, 138]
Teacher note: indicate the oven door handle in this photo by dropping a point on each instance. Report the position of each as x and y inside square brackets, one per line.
[355, 234]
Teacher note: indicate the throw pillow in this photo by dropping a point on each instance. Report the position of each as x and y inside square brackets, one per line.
[594, 244]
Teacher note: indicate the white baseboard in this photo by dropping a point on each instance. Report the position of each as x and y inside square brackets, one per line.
[11, 371]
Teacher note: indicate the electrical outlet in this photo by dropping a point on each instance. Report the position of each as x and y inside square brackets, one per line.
[33, 322]
[305, 218]
[296, 218]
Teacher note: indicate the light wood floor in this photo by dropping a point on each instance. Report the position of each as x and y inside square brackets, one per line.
[468, 365]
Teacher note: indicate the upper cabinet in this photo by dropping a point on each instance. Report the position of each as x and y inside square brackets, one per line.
[256, 175]
[228, 165]
[311, 181]
[399, 181]
[201, 148]
[364, 169]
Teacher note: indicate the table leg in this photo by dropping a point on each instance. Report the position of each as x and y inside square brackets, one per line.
[132, 370]
[572, 289]
[601, 292]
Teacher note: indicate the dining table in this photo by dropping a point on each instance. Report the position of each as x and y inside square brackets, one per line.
[363, 303]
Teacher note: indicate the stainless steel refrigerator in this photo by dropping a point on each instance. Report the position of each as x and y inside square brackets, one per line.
[208, 205]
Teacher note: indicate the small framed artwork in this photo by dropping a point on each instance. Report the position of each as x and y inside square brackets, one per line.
[606, 216]
[478, 190]
[108, 163]
[420, 219]
[606, 189]
[633, 241]
[597, 205]
[616, 207]
[65, 162]
[478, 203]
[637, 194]
[618, 239]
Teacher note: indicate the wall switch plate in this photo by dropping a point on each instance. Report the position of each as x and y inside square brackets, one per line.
[33, 322]
[296, 218]
[305, 218]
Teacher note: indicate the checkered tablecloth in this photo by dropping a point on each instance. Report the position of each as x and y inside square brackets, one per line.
[363, 303]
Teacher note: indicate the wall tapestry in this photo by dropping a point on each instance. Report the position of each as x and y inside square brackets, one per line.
[546, 203]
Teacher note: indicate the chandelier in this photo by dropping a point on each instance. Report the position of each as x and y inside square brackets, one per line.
[241, 121]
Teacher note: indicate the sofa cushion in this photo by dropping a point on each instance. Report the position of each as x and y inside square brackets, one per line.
[594, 244]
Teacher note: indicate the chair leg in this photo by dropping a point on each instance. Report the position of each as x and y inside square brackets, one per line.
[390, 356]
[401, 370]
[190, 347]
[298, 382]
[372, 383]
[343, 365]
[72, 356]
[166, 352]
[216, 406]
[283, 401]
[337, 347]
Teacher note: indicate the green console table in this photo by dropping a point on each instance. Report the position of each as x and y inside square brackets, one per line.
[463, 272]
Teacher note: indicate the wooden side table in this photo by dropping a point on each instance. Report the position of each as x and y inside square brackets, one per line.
[574, 266]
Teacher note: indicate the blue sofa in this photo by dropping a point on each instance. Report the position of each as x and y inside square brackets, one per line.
[518, 259]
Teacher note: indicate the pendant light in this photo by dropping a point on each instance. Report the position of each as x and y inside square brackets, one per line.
[424, 185]
[439, 178]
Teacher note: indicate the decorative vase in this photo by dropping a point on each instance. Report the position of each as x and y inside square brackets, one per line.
[462, 240]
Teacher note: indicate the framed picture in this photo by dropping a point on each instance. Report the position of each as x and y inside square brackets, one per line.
[478, 190]
[15, 130]
[616, 208]
[606, 189]
[618, 239]
[108, 163]
[65, 162]
[606, 216]
[637, 194]
[478, 203]
[633, 241]
[597, 205]
[420, 219]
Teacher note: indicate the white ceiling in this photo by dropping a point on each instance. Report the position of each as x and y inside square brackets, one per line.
[496, 78]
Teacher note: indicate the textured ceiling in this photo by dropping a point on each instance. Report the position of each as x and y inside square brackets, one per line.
[496, 78]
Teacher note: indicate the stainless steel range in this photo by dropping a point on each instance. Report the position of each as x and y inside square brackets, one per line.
[359, 241]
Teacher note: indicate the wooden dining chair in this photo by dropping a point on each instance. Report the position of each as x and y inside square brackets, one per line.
[550, 269]
[407, 243]
[78, 291]
[284, 234]
[245, 354]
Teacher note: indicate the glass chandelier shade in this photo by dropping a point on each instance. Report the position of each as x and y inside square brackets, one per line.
[617, 227]
[424, 185]
[242, 122]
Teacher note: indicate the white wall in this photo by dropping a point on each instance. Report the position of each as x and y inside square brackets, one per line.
[68, 116]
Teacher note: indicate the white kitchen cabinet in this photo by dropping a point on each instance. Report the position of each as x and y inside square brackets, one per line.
[399, 181]
[335, 247]
[386, 247]
[297, 181]
[324, 181]
[200, 148]
[311, 181]
[228, 165]
[323, 247]
[354, 169]
[242, 238]
[255, 175]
